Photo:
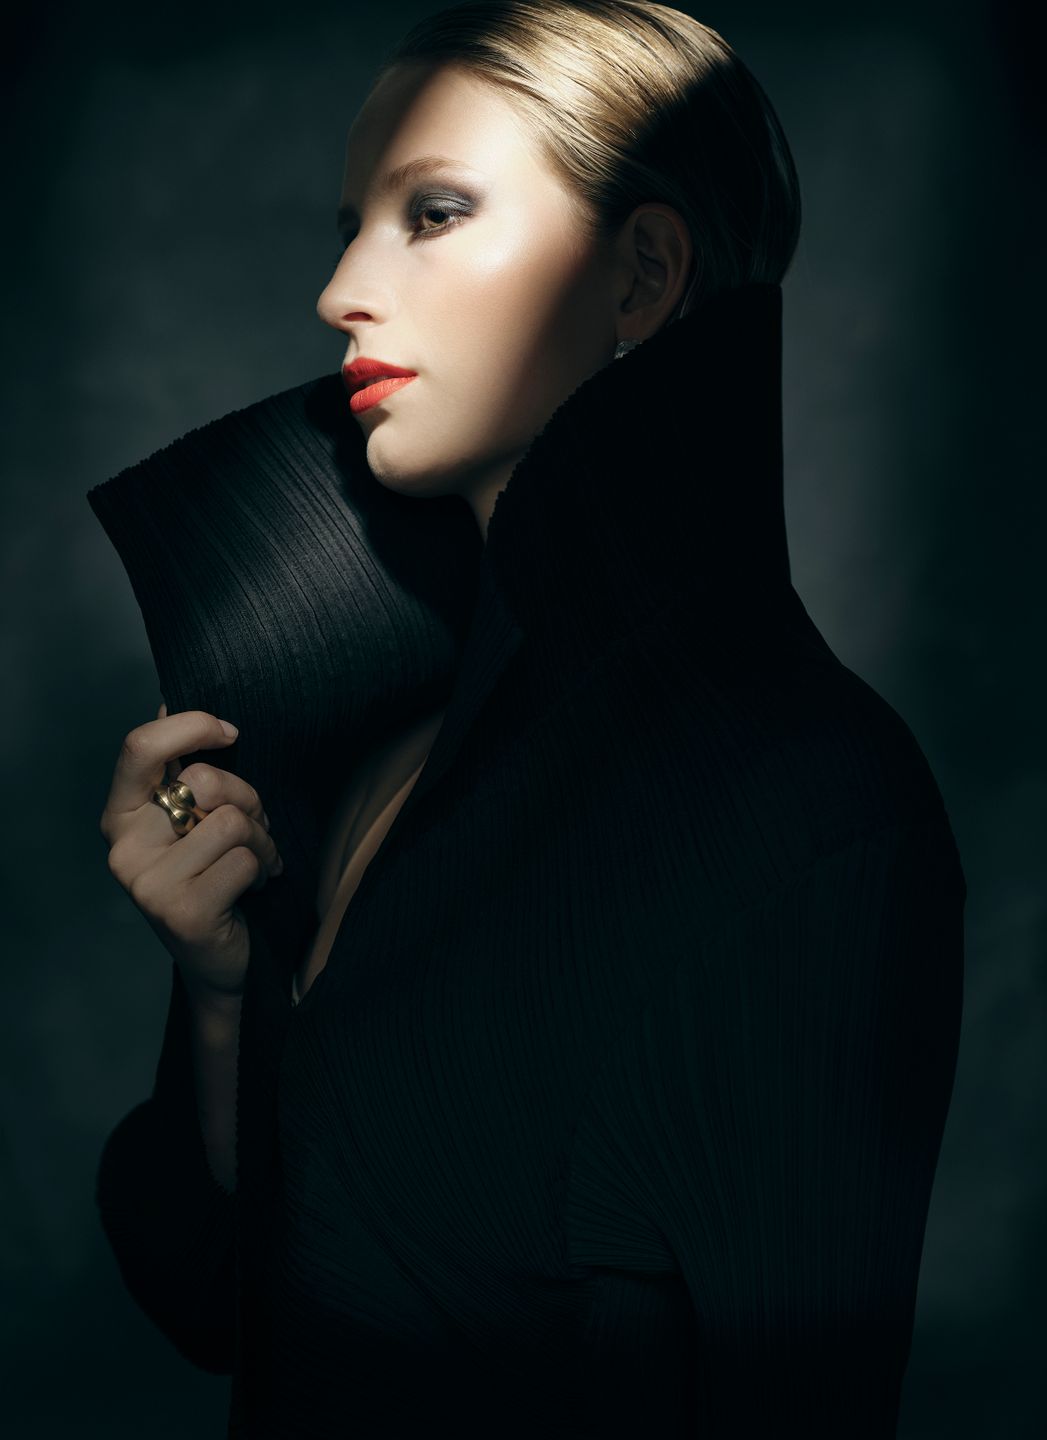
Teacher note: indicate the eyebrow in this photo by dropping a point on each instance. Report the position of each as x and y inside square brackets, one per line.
[403, 174]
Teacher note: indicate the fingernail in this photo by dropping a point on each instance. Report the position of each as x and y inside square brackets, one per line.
[278, 867]
[229, 727]
[265, 820]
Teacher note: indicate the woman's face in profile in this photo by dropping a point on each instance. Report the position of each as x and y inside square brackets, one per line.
[477, 276]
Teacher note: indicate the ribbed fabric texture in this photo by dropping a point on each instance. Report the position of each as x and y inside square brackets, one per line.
[617, 1107]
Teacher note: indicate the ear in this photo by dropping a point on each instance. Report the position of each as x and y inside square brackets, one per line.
[656, 252]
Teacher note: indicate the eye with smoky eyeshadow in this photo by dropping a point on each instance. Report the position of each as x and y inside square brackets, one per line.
[455, 208]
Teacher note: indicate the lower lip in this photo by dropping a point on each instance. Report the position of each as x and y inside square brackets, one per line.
[377, 391]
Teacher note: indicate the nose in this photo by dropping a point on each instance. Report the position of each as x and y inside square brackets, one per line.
[337, 305]
[334, 310]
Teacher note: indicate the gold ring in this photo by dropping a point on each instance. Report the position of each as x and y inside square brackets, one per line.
[182, 816]
[181, 794]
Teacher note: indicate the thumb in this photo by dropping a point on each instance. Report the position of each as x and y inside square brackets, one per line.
[172, 767]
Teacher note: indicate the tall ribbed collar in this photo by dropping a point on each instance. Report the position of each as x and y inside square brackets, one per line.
[657, 480]
[661, 473]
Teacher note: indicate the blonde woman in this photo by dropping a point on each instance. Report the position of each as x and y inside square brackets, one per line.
[567, 947]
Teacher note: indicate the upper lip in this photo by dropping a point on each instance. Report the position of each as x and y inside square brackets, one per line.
[364, 369]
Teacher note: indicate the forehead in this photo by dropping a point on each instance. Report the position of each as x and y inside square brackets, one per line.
[420, 112]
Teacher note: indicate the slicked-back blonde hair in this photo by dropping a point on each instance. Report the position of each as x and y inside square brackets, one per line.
[631, 102]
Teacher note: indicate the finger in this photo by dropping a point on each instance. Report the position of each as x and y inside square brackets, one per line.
[212, 787]
[162, 711]
[173, 768]
[223, 830]
[222, 884]
[141, 765]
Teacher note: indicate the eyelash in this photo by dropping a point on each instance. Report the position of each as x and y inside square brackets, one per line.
[454, 217]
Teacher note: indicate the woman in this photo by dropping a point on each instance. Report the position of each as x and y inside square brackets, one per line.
[627, 920]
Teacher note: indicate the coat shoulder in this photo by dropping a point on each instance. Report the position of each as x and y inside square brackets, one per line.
[768, 738]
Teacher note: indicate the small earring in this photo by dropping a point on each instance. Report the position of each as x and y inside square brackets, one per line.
[623, 347]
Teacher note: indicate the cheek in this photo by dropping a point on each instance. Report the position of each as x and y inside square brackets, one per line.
[498, 290]
[517, 269]
[504, 378]
[513, 333]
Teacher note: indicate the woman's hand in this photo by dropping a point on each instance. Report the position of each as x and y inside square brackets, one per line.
[187, 886]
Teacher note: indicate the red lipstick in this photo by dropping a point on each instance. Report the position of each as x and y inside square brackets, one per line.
[370, 381]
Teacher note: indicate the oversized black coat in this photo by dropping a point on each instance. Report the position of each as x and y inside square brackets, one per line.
[617, 1107]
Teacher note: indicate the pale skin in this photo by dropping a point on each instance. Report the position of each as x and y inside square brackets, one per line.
[480, 279]
[502, 311]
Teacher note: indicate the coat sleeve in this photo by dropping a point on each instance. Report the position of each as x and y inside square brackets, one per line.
[169, 1222]
[769, 1128]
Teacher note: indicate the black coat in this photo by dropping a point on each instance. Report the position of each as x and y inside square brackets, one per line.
[617, 1107]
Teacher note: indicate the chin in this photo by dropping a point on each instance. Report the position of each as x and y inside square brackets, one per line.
[409, 480]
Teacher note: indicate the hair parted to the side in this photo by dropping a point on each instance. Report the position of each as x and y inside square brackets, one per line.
[631, 102]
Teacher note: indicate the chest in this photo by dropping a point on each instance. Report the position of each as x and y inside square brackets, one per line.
[370, 802]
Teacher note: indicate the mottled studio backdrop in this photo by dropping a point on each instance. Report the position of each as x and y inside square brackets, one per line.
[170, 177]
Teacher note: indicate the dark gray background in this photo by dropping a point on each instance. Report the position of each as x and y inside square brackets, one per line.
[171, 175]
